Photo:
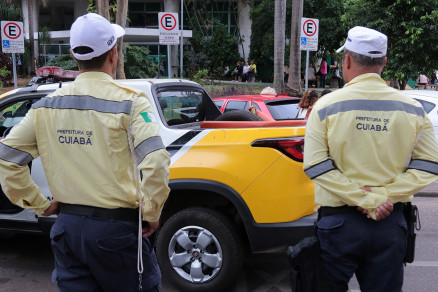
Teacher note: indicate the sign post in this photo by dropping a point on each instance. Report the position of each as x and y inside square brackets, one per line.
[169, 34]
[12, 42]
[309, 40]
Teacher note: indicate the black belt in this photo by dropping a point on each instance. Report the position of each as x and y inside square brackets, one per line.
[125, 214]
[328, 211]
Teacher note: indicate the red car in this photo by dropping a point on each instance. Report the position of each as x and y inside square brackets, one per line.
[280, 107]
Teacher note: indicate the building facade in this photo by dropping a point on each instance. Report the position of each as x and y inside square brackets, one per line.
[142, 26]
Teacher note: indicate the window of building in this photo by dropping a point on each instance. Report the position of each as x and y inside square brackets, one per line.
[144, 14]
[206, 15]
[56, 17]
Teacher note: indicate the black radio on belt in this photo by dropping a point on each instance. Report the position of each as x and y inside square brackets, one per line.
[412, 217]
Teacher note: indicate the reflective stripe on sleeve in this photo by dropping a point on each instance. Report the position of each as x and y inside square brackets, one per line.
[369, 105]
[320, 168]
[79, 102]
[147, 146]
[13, 155]
[424, 165]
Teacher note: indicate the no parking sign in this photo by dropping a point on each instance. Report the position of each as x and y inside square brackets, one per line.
[309, 34]
[12, 37]
[168, 28]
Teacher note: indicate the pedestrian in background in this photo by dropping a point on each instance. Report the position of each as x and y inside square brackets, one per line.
[324, 92]
[252, 71]
[238, 71]
[95, 237]
[323, 70]
[433, 79]
[245, 71]
[306, 104]
[422, 80]
[368, 151]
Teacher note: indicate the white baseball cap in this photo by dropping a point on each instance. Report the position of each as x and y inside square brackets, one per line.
[96, 32]
[366, 41]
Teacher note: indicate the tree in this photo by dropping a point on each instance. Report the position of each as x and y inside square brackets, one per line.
[411, 29]
[294, 81]
[331, 32]
[118, 10]
[214, 52]
[44, 39]
[279, 29]
[30, 4]
[138, 63]
[102, 8]
[121, 17]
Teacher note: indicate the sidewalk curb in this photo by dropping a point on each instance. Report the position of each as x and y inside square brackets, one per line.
[426, 194]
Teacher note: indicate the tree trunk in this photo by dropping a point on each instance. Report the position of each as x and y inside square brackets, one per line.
[279, 35]
[294, 81]
[121, 15]
[102, 7]
[393, 83]
[402, 84]
[31, 37]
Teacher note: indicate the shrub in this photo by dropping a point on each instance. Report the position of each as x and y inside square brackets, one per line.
[138, 64]
[214, 52]
[66, 62]
[200, 75]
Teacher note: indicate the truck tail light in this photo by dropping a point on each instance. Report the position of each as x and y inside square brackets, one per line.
[291, 147]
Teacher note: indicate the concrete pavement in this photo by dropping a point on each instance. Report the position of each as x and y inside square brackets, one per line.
[429, 191]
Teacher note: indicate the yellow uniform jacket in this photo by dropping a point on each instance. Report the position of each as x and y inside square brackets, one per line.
[80, 133]
[369, 134]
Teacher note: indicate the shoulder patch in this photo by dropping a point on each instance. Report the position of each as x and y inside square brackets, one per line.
[148, 117]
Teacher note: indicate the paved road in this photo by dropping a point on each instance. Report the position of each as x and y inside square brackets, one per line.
[26, 262]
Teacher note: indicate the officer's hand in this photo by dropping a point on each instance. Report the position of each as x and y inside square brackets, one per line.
[362, 210]
[53, 209]
[384, 210]
[149, 228]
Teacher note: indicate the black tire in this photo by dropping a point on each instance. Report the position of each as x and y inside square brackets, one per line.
[224, 243]
[238, 116]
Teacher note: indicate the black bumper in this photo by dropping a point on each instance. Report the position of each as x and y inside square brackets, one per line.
[272, 235]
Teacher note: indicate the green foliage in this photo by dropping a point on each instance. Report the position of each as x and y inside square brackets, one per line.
[66, 62]
[200, 75]
[4, 72]
[411, 28]
[10, 12]
[330, 35]
[214, 52]
[138, 64]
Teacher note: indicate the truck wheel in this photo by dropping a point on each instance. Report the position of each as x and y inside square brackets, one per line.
[198, 249]
[237, 115]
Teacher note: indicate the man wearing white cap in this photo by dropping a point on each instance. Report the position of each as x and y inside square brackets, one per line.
[82, 132]
[368, 149]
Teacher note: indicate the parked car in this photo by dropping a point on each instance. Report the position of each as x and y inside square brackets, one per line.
[429, 101]
[235, 186]
[279, 107]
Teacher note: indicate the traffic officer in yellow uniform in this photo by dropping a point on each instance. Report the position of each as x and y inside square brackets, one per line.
[82, 132]
[368, 148]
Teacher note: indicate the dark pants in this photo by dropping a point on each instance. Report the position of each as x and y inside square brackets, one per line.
[373, 250]
[322, 80]
[96, 254]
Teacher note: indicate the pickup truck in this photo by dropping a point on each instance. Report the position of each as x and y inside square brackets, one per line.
[236, 186]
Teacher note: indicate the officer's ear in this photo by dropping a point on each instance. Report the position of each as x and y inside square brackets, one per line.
[112, 56]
